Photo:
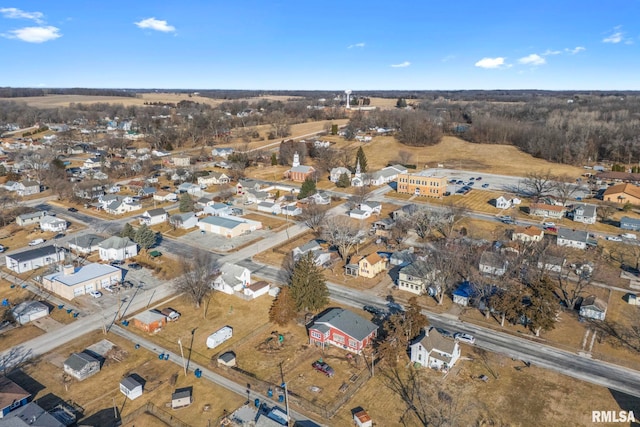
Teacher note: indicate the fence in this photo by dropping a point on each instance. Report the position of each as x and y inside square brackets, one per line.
[162, 415]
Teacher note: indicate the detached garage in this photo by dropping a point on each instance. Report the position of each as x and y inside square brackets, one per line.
[29, 311]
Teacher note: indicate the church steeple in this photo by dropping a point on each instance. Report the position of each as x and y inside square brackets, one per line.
[296, 160]
[358, 169]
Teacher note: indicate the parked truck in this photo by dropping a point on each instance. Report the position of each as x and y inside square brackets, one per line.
[171, 314]
[219, 336]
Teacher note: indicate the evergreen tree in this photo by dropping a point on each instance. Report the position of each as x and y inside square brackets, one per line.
[308, 287]
[145, 237]
[274, 159]
[343, 181]
[402, 103]
[363, 160]
[128, 231]
[283, 309]
[414, 320]
[334, 129]
[186, 203]
[308, 188]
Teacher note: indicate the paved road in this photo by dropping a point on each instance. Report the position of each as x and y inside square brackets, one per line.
[206, 373]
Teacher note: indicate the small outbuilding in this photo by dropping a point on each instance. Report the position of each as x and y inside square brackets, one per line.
[227, 359]
[131, 387]
[29, 311]
[257, 289]
[182, 397]
[150, 321]
[593, 308]
[361, 418]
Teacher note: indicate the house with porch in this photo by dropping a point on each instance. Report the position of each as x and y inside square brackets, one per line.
[503, 202]
[343, 329]
[527, 234]
[593, 307]
[546, 210]
[433, 350]
[367, 266]
[232, 278]
[214, 178]
[154, 216]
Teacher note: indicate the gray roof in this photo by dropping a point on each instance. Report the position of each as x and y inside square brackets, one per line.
[183, 216]
[418, 269]
[86, 240]
[34, 253]
[116, 242]
[358, 212]
[148, 317]
[594, 303]
[130, 383]
[84, 273]
[302, 169]
[230, 273]
[29, 307]
[309, 246]
[348, 322]
[629, 220]
[588, 210]
[575, 235]
[227, 357]
[30, 415]
[433, 340]
[181, 393]
[156, 212]
[492, 259]
[222, 221]
[31, 215]
[30, 183]
[77, 361]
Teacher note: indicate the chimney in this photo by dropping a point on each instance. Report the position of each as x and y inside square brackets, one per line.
[68, 270]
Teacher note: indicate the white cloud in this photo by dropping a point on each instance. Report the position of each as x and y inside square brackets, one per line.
[491, 63]
[552, 52]
[34, 34]
[616, 35]
[533, 59]
[448, 58]
[14, 13]
[575, 50]
[351, 46]
[156, 24]
[401, 65]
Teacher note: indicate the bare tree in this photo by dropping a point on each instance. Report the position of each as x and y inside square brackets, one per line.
[564, 188]
[605, 211]
[360, 195]
[571, 286]
[313, 216]
[405, 157]
[539, 184]
[342, 233]
[198, 273]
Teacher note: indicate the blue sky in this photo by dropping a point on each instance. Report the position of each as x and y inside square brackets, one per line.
[375, 44]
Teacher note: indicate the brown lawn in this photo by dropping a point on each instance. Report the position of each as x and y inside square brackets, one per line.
[98, 392]
[268, 221]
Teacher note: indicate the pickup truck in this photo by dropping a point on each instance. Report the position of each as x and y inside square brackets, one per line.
[323, 367]
[170, 314]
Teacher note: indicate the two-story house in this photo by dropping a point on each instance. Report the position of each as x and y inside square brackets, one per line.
[584, 213]
[433, 350]
[232, 278]
[343, 329]
[416, 277]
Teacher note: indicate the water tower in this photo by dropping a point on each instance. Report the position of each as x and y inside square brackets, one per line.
[348, 92]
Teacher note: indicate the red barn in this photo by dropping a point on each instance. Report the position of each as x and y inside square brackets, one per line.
[343, 329]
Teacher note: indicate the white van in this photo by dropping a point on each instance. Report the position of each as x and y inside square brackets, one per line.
[36, 242]
[628, 236]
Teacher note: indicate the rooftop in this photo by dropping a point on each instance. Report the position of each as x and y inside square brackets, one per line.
[348, 322]
[83, 274]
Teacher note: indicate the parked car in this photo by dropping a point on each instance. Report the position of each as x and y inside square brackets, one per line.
[134, 266]
[479, 178]
[117, 262]
[36, 242]
[551, 229]
[447, 193]
[59, 236]
[95, 294]
[485, 185]
[374, 310]
[444, 333]
[72, 210]
[548, 224]
[614, 238]
[2, 249]
[629, 236]
[320, 366]
[468, 338]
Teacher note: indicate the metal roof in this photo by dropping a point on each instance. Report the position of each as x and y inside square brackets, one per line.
[35, 253]
[222, 221]
[83, 274]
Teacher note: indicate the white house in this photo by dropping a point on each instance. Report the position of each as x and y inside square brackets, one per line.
[256, 290]
[184, 220]
[372, 207]
[359, 214]
[387, 175]
[593, 307]
[493, 263]
[291, 210]
[165, 196]
[270, 207]
[222, 152]
[214, 178]
[35, 258]
[503, 203]
[433, 350]
[217, 209]
[52, 223]
[27, 188]
[336, 173]
[585, 214]
[28, 311]
[320, 198]
[572, 238]
[232, 278]
[30, 218]
[117, 248]
[154, 216]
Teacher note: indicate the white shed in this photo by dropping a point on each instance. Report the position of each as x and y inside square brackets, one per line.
[131, 387]
[28, 311]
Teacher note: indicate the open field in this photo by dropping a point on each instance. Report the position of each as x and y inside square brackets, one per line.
[44, 378]
[455, 153]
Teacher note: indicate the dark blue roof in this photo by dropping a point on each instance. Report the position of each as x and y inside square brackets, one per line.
[466, 290]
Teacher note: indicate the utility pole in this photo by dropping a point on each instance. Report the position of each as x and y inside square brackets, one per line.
[184, 365]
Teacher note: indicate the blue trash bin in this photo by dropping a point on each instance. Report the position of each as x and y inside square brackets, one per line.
[270, 393]
[257, 403]
[281, 398]
[161, 356]
[198, 373]
[166, 356]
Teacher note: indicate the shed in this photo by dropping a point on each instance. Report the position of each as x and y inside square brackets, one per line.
[464, 293]
[257, 289]
[131, 387]
[28, 311]
[182, 397]
[362, 419]
[227, 359]
[150, 321]
[632, 299]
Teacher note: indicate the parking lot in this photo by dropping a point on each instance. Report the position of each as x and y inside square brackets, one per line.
[217, 243]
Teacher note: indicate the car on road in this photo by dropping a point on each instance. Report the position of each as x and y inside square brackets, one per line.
[36, 242]
[479, 178]
[134, 266]
[117, 262]
[59, 236]
[2, 249]
[374, 310]
[485, 185]
[320, 366]
[551, 229]
[444, 333]
[464, 337]
[72, 210]
[447, 193]
[548, 224]
[614, 238]
[95, 294]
